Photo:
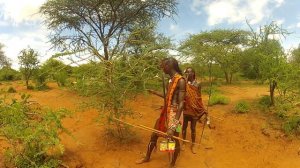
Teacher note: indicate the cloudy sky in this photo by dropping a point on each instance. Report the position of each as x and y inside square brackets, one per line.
[21, 26]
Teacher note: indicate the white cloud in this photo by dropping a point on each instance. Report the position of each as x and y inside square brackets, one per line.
[179, 31]
[233, 11]
[291, 26]
[195, 5]
[19, 11]
[35, 38]
[279, 2]
[290, 43]
[294, 26]
[22, 16]
[173, 52]
[3, 23]
[280, 21]
[276, 37]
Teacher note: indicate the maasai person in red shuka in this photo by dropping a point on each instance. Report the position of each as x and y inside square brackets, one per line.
[194, 108]
[170, 119]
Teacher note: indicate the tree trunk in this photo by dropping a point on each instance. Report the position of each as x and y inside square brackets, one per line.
[231, 76]
[27, 83]
[106, 53]
[273, 85]
[226, 77]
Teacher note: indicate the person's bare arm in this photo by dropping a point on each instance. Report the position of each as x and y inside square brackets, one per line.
[181, 96]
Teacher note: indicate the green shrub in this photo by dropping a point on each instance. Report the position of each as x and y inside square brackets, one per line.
[8, 74]
[292, 125]
[281, 114]
[40, 78]
[11, 90]
[265, 101]
[81, 87]
[32, 135]
[284, 106]
[83, 75]
[282, 109]
[61, 78]
[41, 87]
[242, 107]
[218, 82]
[218, 99]
[214, 90]
[30, 87]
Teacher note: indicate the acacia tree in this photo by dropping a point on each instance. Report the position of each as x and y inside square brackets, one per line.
[250, 64]
[222, 47]
[105, 29]
[56, 70]
[98, 26]
[289, 85]
[295, 59]
[145, 48]
[6, 72]
[273, 61]
[28, 60]
[4, 61]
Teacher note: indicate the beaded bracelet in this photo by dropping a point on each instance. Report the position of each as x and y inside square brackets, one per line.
[174, 124]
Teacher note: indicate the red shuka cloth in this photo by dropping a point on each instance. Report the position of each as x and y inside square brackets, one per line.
[193, 104]
[163, 119]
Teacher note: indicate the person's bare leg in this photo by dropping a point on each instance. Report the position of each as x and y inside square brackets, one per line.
[177, 151]
[184, 127]
[151, 146]
[193, 135]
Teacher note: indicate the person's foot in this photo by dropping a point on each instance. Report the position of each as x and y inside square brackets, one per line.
[141, 161]
[172, 166]
[193, 149]
[183, 147]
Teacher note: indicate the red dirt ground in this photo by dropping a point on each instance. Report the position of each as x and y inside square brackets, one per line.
[238, 140]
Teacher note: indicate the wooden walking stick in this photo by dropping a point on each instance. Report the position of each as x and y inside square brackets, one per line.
[152, 130]
[209, 96]
[165, 99]
[165, 110]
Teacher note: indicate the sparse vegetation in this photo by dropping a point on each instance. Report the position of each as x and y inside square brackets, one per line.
[40, 79]
[242, 107]
[292, 125]
[8, 74]
[33, 135]
[108, 55]
[218, 99]
[30, 87]
[55, 70]
[28, 60]
[11, 90]
[213, 90]
[264, 101]
[61, 78]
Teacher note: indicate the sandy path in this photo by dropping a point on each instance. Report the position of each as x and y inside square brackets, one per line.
[237, 141]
